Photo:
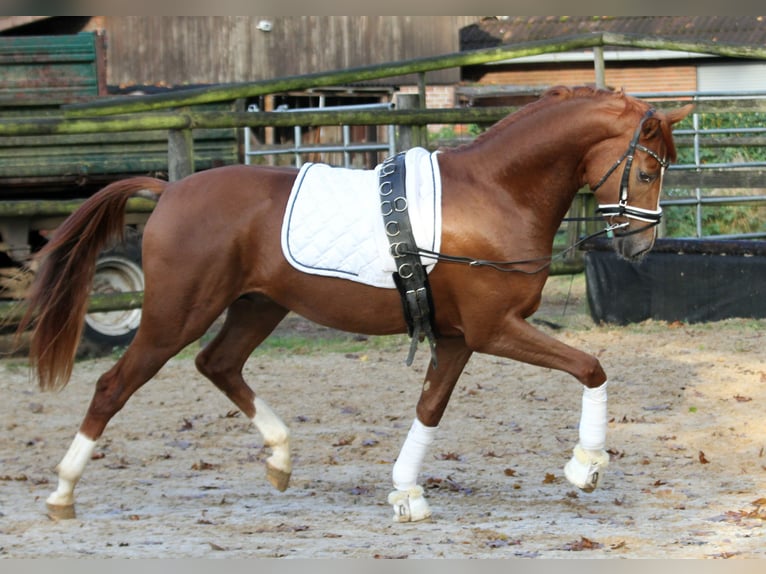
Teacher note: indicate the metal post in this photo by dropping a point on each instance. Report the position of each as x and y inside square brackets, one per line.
[346, 142]
[697, 190]
[598, 64]
[298, 143]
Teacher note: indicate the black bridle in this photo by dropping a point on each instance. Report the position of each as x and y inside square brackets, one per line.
[622, 209]
[610, 211]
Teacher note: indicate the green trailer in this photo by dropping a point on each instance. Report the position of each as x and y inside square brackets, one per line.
[43, 178]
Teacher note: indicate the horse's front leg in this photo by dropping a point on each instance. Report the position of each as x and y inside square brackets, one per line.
[521, 341]
[407, 500]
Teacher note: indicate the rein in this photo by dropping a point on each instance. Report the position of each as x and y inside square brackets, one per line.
[511, 266]
[612, 210]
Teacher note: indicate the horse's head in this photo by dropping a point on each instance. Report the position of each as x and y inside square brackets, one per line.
[625, 171]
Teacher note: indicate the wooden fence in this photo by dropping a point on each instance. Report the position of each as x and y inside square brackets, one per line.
[153, 112]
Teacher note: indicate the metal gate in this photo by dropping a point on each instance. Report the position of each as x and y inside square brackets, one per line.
[299, 149]
[709, 177]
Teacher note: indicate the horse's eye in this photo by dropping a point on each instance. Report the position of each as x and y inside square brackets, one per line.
[644, 177]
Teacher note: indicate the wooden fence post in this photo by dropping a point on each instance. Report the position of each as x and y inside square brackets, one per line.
[408, 136]
[180, 154]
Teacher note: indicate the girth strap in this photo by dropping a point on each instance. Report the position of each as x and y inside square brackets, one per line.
[410, 277]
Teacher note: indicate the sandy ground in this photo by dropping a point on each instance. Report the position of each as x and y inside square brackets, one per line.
[180, 474]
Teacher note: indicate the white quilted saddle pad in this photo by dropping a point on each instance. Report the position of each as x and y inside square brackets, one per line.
[333, 224]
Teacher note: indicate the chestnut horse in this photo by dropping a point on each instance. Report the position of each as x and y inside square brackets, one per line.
[212, 244]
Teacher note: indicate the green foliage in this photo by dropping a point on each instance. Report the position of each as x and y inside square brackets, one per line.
[447, 133]
[681, 221]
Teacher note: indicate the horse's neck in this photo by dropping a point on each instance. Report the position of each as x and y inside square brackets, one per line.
[541, 153]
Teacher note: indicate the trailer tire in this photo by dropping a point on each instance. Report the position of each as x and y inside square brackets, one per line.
[118, 270]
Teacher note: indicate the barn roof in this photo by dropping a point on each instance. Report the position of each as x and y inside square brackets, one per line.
[498, 30]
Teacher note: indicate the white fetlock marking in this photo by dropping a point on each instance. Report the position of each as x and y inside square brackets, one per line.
[70, 470]
[409, 505]
[275, 435]
[585, 468]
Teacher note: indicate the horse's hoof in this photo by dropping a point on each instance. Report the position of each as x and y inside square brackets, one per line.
[409, 505]
[585, 468]
[279, 479]
[60, 512]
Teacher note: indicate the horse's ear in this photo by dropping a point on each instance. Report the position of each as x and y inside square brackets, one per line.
[650, 128]
[675, 116]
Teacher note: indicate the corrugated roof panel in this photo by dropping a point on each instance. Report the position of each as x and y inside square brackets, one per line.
[744, 30]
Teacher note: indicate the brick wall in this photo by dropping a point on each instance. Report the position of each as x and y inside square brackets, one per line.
[436, 96]
[633, 79]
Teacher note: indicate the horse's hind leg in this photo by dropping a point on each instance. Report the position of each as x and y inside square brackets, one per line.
[140, 363]
[407, 500]
[249, 321]
[165, 329]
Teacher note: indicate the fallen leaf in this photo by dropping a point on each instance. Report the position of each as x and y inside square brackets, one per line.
[447, 483]
[741, 399]
[582, 544]
[282, 527]
[360, 490]
[725, 555]
[549, 478]
[450, 456]
[702, 458]
[345, 441]
[509, 472]
[17, 478]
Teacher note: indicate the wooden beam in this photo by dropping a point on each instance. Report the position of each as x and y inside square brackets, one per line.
[12, 311]
[126, 104]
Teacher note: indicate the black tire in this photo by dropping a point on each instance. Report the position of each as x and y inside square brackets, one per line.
[118, 270]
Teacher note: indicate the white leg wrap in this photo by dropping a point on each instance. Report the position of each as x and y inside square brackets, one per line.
[584, 470]
[593, 418]
[407, 466]
[275, 435]
[407, 500]
[70, 470]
